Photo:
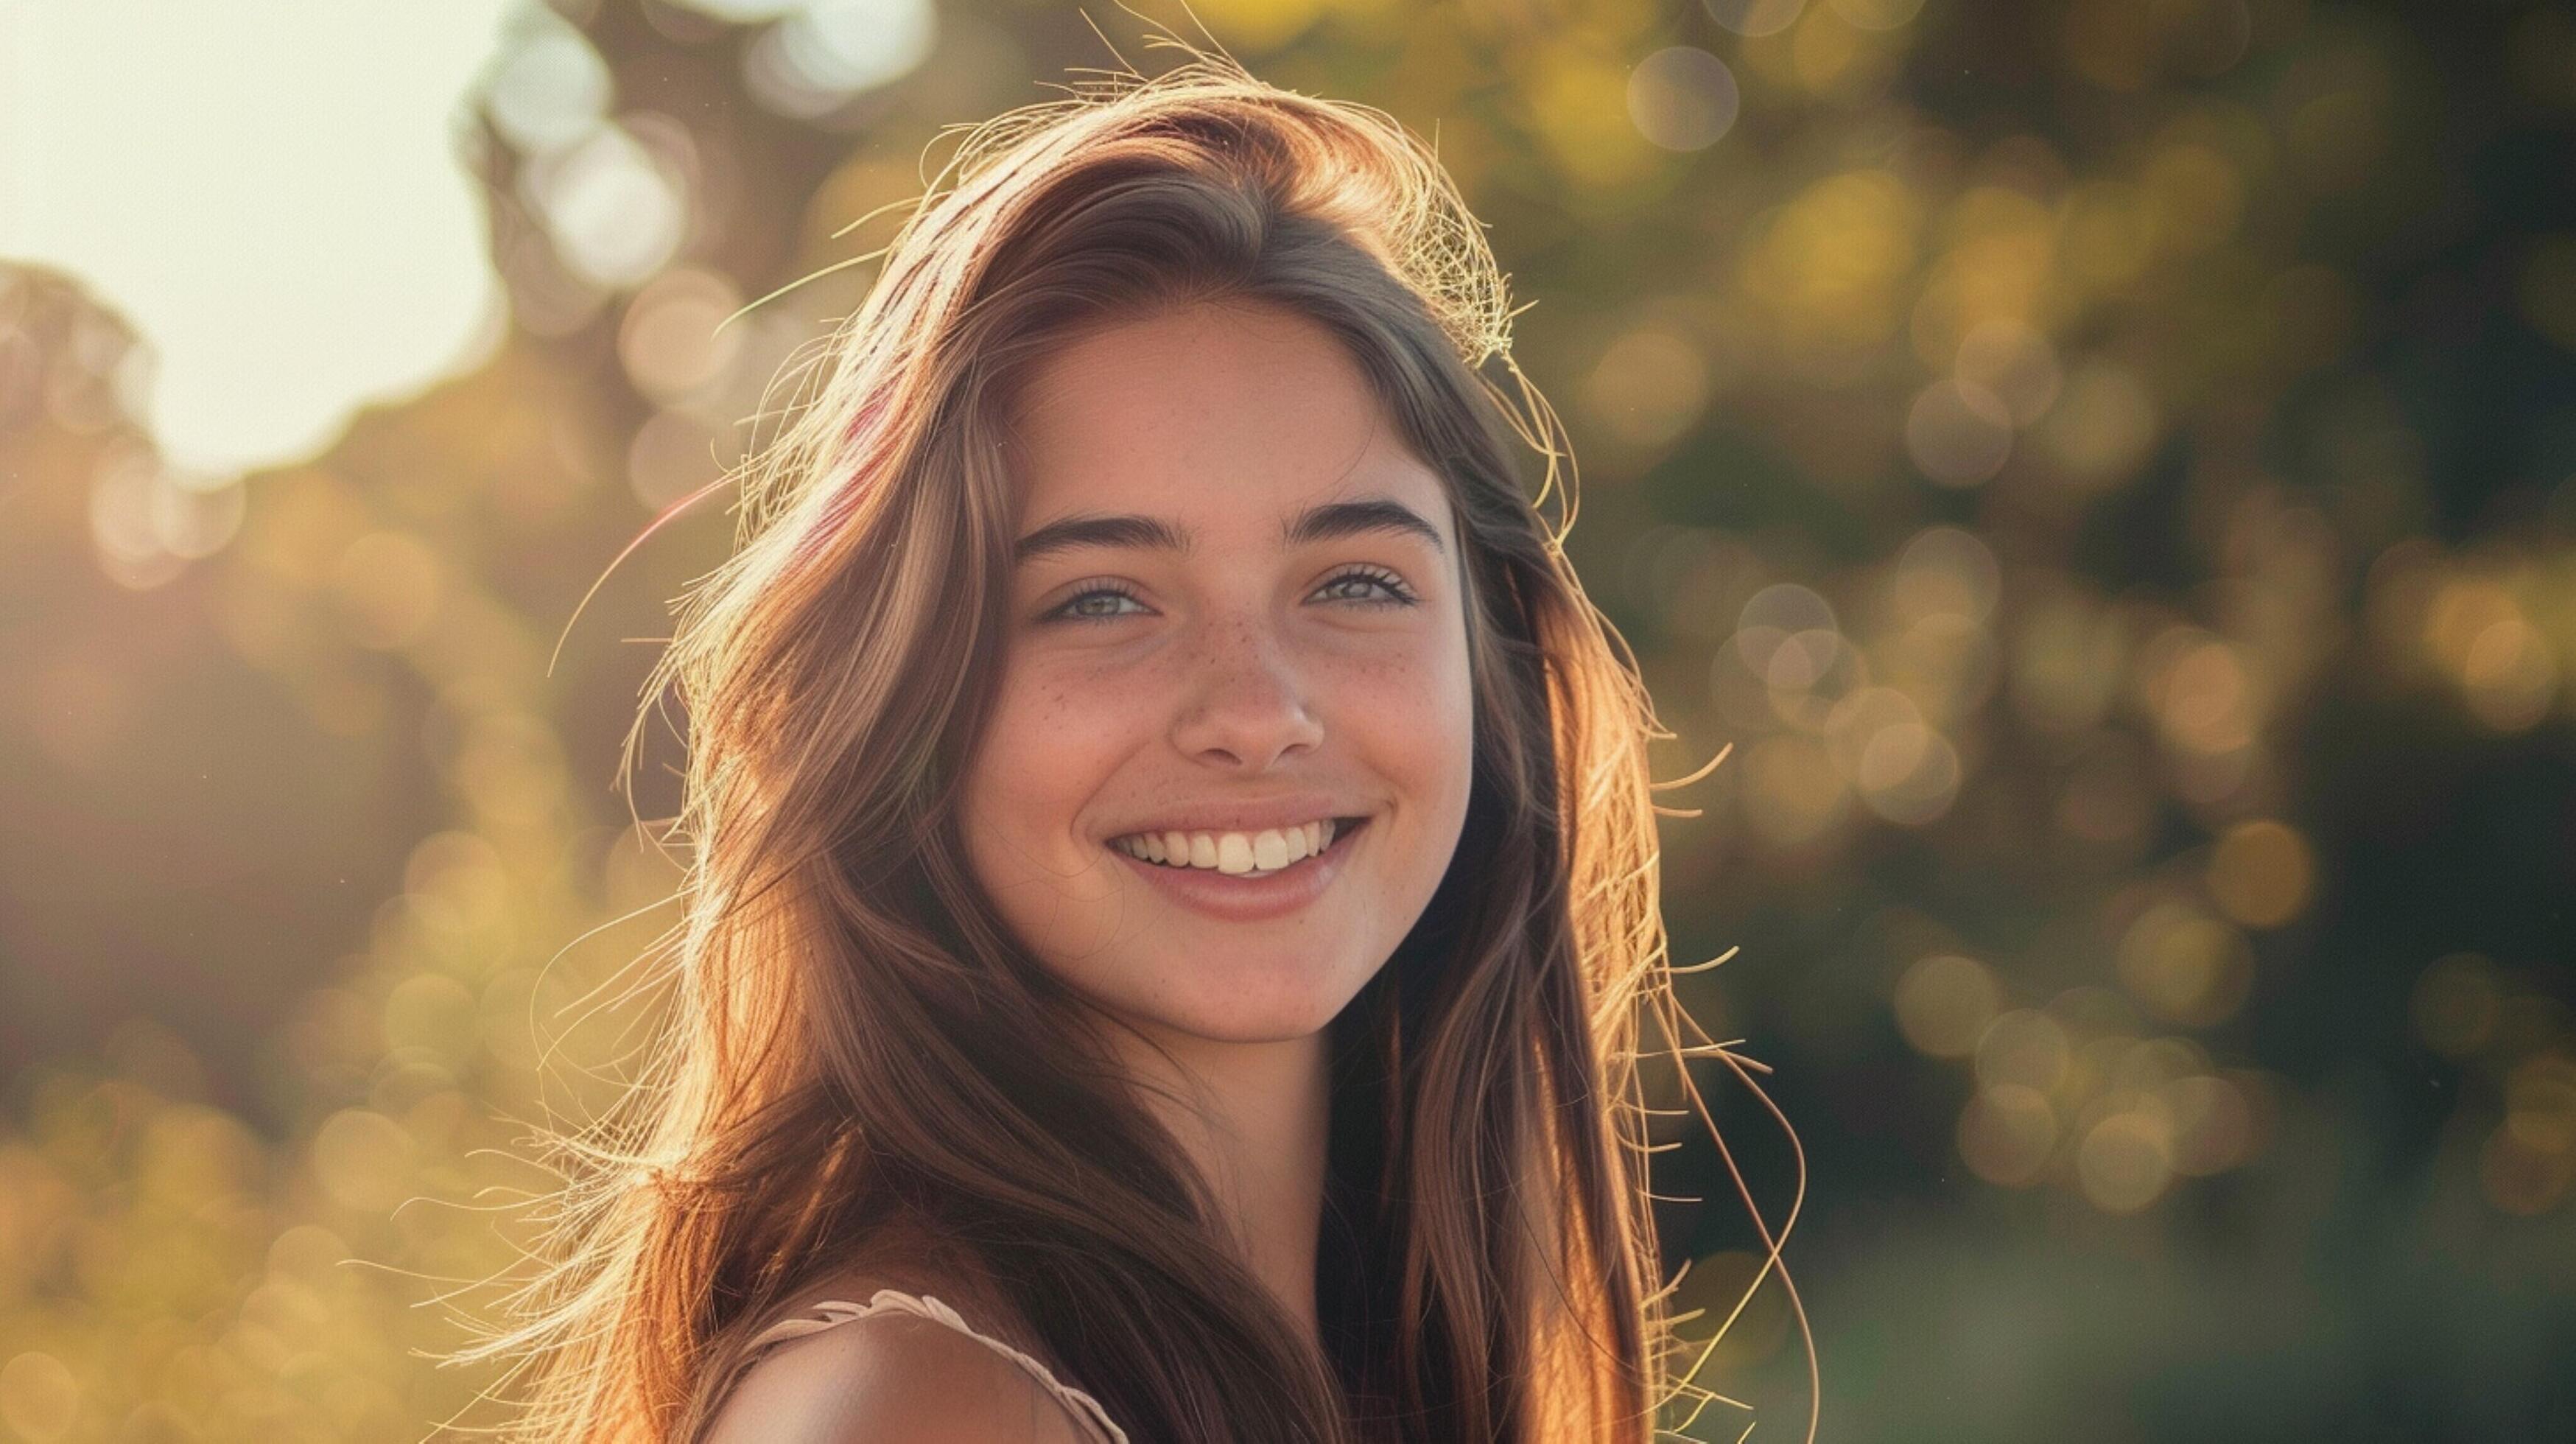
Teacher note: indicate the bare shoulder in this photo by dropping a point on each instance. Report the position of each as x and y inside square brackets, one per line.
[888, 1376]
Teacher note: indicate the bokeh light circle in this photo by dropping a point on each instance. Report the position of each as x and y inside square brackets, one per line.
[1755, 17]
[1944, 1002]
[1958, 432]
[2007, 1134]
[2125, 1161]
[1683, 98]
[1878, 14]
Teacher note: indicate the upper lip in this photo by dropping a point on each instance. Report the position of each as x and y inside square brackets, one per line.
[1248, 817]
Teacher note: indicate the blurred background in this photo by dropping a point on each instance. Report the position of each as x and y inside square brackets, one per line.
[2107, 467]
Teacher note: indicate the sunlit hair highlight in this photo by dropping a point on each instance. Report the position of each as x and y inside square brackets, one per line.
[853, 1040]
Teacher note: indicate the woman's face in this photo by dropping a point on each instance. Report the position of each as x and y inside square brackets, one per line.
[1237, 611]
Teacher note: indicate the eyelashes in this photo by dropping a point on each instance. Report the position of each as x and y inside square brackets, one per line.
[1065, 610]
[1394, 593]
[1397, 594]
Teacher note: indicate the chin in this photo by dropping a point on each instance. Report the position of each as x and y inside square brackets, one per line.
[1240, 1019]
[1245, 1031]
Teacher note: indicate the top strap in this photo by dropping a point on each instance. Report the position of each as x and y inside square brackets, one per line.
[1086, 1411]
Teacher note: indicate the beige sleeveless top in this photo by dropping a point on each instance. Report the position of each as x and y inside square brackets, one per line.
[1088, 1417]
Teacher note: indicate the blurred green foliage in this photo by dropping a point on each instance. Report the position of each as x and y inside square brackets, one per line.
[2107, 467]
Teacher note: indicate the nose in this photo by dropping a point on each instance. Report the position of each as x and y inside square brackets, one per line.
[1247, 708]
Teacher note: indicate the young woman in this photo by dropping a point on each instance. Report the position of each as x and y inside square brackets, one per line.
[1173, 900]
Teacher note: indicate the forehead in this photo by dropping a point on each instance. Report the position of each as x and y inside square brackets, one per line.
[1223, 416]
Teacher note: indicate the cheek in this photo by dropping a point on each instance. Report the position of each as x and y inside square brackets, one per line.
[1411, 720]
[1455, 724]
[1048, 746]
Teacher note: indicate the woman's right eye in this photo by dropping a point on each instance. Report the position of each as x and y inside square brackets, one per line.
[1093, 604]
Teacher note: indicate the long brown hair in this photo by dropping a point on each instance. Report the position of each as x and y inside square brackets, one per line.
[854, 1039]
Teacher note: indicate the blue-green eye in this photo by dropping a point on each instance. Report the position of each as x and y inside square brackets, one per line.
[1396, 594]
[1076, 608]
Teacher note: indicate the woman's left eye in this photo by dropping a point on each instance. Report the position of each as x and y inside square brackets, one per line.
[1396, 594]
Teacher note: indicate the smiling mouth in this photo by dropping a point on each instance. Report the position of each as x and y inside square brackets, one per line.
[1239, 854]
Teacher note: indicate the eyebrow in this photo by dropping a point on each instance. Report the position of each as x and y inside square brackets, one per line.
[1321, 522]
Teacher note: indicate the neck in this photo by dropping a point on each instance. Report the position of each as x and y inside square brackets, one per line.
[1253, 1118]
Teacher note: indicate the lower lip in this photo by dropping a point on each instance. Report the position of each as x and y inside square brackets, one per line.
[1238, 899]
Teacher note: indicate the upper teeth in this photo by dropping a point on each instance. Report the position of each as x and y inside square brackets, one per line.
[1231, 852]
